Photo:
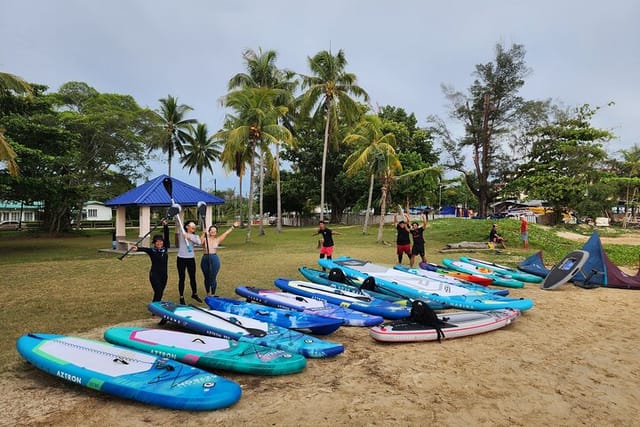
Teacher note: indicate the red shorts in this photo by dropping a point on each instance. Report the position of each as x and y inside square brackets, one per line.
[403, 249]
[326, 250]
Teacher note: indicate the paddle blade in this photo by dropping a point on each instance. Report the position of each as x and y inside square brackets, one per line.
[168, 186]
[202, 209]
[173, 211]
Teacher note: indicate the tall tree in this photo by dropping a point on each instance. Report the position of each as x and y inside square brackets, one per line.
[328, 93]
[488, 111]
[11, 83]
[263, 72]
[176, 128]
[201, 150]
[256, 126]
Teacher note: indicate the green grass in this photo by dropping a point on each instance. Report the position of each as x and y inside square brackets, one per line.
[64, 285]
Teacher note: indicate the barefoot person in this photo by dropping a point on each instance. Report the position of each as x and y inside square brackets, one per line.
[210, 263]
[496, 238]
[524, 232]
[403, 241]
[418, 240]
[186, 261]
[326, 249]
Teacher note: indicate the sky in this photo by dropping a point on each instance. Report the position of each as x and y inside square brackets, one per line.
[579, 51]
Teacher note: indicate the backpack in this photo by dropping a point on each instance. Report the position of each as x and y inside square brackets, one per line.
[423, 314]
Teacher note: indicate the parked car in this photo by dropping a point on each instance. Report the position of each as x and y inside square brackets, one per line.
[9, 225]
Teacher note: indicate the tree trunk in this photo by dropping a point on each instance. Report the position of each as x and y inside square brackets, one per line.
[278, 191]
[383, 208]
[169, 162]
[366, 215]
[261, 227]
[325, 149]
[240, 199]
[250, 201]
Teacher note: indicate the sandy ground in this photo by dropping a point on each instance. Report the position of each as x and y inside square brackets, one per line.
[571, 360]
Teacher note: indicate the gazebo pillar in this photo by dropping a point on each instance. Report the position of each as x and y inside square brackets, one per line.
[209, 215]
[121, 227]
[145, 224]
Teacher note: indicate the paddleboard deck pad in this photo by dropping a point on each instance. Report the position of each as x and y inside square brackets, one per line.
[128, 373]
[208, 352]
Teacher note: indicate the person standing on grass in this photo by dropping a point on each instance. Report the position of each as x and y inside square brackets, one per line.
[524, 232]
[186, 260]
[159, 255]
[418, 240]
[403, 242]
[326, 247]
[210, 263]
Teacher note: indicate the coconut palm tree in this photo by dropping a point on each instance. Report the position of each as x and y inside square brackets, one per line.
[328, 93]
[176, 127]
[201, 150]
[255, 127]
[263, 73]
[13, 83]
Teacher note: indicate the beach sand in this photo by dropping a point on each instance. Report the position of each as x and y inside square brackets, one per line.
[571, 360]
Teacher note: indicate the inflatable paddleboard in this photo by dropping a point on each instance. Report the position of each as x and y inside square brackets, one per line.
[128, 373]
[564, 271]
[419, 288]
[278, 298]
[233, 326]
[286, 318]
[456, 324]
[353, 300]
[208, 352]
[445, 278]
[503, 269]
[499, 279]
[474, 278]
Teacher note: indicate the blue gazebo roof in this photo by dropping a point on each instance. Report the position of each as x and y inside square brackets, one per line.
[153, 193]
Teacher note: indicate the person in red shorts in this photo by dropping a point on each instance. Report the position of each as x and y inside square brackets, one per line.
[326, 249]
[403, 241]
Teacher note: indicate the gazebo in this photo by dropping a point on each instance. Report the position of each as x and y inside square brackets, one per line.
[153, 193]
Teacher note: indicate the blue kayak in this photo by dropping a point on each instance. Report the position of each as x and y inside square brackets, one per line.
[356, 300]
[278, 298]
[233, 326]
[286, 318]
[416, 287]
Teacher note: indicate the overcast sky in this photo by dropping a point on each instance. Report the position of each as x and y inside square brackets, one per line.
[580, 51]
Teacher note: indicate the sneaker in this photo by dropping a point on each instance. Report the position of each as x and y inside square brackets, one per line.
[182, 301]
[196, 297]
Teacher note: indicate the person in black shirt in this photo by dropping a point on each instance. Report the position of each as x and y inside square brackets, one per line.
[495, 238]
[418, 240]
[159, 255]
[403, 242]
[327, 240]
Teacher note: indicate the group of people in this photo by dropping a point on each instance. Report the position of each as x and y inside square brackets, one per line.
[405, 233]
[186, 260]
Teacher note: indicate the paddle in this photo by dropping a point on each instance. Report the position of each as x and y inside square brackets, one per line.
[253, 331]
[171, 212]
[168, 187]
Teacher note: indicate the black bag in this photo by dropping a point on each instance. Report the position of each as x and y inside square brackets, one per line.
[423, 314]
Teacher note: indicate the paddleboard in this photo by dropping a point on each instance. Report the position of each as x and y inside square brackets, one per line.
[286, 318]
[564, 271]
[416, 287]
[128, 373]
[208, 352]
[445, 278]
[233, 326]
[480, 280]
[278, 298]
[503, 269]
[354, 300]
[456, 325]
[498, 278]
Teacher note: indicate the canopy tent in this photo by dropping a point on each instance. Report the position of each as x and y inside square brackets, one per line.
[153, 193]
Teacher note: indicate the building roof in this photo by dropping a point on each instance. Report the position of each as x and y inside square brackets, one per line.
[153, 193]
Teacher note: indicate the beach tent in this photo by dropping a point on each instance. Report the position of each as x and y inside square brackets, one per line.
[601, 271]
[534, 265]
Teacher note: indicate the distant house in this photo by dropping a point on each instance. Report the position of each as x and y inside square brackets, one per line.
[21, 212]
[96, 211]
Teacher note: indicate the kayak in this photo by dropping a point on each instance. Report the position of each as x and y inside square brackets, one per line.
[445, 278]
[480, 280]
[503, 269]
[499, 279]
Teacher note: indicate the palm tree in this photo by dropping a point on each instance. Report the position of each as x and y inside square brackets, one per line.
[263, 73]
[201, 150]
[176, 127]
[255, 127]
[374, 153]
[11, 82]
[328, 91]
